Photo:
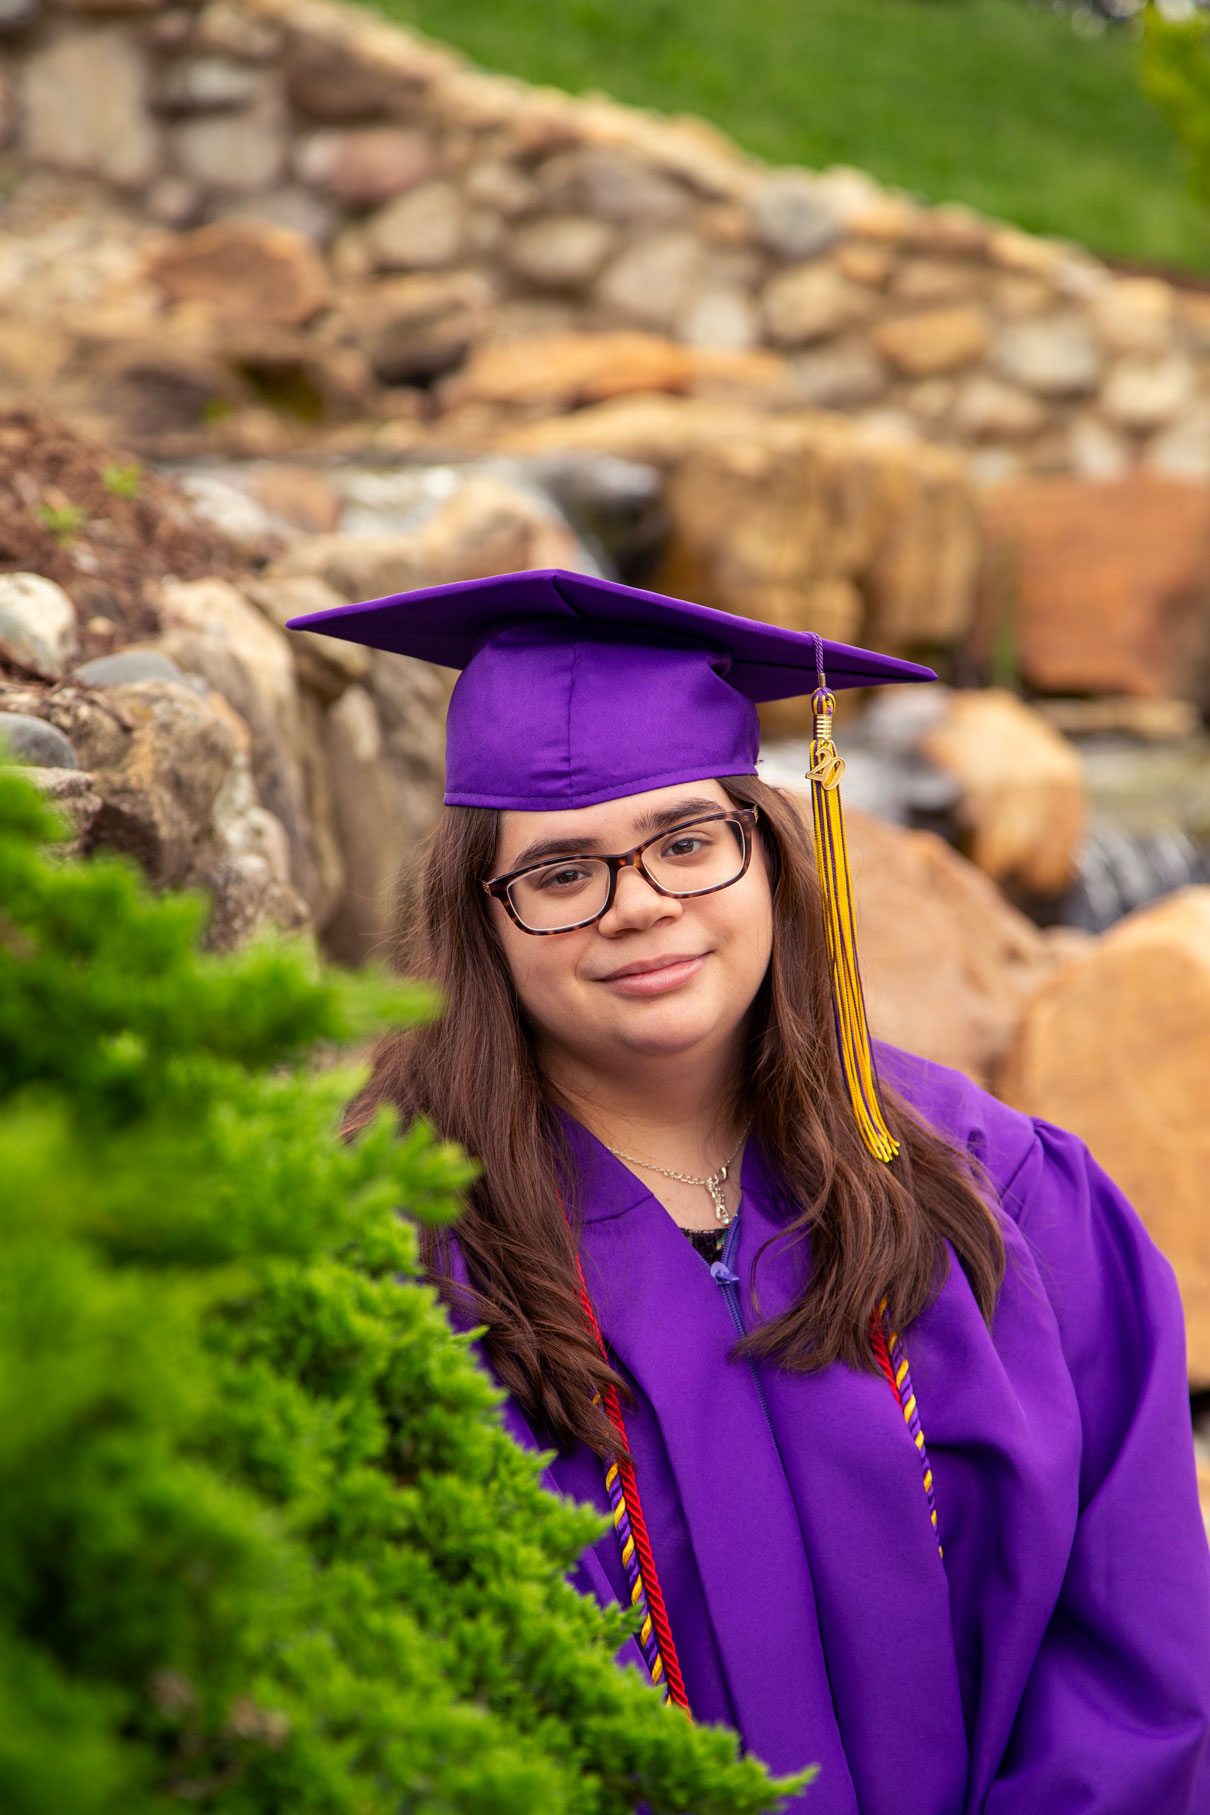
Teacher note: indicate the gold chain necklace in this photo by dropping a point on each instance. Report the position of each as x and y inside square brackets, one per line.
[714, 1184]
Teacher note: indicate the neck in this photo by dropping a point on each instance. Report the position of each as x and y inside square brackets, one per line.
[682, 1113]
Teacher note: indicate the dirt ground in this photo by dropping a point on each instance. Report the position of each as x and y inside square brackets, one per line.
[95, 520]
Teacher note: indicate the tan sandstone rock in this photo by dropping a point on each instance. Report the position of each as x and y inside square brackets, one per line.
[365, 166]
[73, 794]
[236, 152]
[84, 103]
[384, 745]
[159, 756]
[172, 780]
[559, 251]
[1146, 391]
[934, 340]
[1109, 582]
[341, 67]
[1116, 1047]
[325, 665]
[1024, 799]
[1053, 356]
[987, 410]
[560, 371]
[810, 302]
[649, 427]
[567, 371]
[652, 279]
[211, 629]
[1134, 314]
[770, 516]
[423, 230]
[243, 269]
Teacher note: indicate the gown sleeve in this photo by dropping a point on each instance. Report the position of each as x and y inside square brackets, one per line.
[1115, 1714]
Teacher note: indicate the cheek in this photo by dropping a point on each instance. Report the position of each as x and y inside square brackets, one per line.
[752, 916]
[541, 969]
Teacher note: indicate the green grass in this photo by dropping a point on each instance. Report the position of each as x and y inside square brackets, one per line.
[997, 103]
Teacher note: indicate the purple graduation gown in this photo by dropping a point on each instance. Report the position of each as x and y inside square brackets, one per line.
[1057, 1661]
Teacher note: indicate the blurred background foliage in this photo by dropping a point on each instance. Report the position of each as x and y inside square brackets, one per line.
[1030, 112]
[1176, 75]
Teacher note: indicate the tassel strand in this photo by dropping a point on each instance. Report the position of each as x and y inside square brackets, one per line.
[848, 997]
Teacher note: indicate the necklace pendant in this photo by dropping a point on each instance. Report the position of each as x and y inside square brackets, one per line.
[714, 1186]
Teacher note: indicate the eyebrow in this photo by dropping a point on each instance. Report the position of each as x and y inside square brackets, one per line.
[659, 820]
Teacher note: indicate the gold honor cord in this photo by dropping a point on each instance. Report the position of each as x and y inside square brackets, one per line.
[832, 862]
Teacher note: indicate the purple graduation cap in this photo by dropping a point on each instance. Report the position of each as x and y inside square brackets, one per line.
[576, 690]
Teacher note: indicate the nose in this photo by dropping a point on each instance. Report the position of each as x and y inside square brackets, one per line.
[636, 905]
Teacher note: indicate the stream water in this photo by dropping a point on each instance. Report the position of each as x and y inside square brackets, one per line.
[1149, 827]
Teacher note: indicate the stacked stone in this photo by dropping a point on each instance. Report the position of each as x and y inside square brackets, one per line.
[423, 209]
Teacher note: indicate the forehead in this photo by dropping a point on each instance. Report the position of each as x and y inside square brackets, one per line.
[610, 825]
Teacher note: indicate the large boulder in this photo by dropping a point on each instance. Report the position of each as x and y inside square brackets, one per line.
[159, 755]
[385, 763]
[211, 629]
[1106, 584]
[1116, 1046]
[1023, 800]
[768, 521]
[172, 776]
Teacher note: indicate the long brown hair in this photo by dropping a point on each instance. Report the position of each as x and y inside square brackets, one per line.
[873, 1229]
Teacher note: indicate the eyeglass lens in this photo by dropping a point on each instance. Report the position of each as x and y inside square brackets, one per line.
[689, 860]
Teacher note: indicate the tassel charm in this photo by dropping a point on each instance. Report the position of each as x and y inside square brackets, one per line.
[832, 861]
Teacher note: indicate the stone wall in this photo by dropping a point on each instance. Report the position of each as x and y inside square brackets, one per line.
[430, 212]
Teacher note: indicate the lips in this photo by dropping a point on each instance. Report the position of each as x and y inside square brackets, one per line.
[644, 966]
[655, 976]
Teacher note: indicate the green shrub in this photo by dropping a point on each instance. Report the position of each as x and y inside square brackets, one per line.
[264, 1544]
[1176, 76]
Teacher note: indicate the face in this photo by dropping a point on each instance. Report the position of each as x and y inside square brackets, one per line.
[655, 977]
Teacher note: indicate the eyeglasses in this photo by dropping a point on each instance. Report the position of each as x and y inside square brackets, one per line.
[695, 858]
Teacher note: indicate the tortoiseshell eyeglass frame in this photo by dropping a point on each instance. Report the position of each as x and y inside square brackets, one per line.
[743, 818]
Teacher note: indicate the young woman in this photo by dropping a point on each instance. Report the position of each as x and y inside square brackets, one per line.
[882, 1382]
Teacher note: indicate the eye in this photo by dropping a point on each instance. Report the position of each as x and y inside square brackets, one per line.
[691, 842]
[561, 878]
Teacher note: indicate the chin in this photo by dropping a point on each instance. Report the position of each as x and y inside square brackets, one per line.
[668, 1041]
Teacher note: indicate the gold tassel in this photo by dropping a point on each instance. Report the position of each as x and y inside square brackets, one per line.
[832, 861]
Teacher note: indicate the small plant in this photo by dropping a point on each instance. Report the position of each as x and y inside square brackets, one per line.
[62, 520]
[122, 481]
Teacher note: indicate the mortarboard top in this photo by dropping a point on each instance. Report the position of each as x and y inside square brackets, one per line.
[576, 690]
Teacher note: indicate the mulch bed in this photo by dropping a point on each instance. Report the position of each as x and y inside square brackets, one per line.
[92, 518]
